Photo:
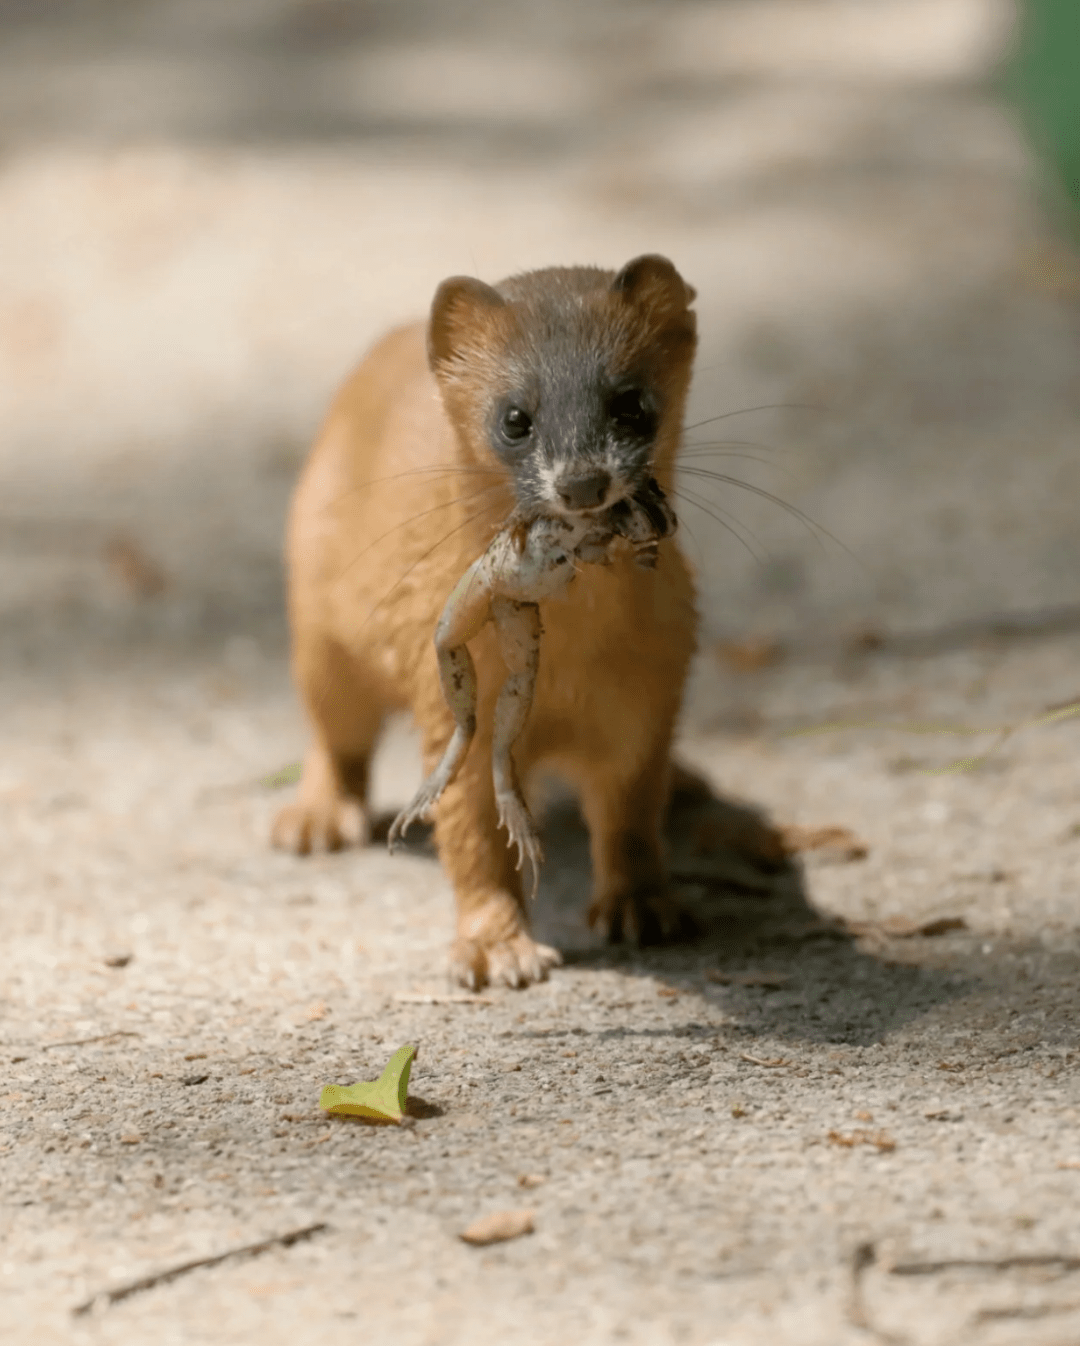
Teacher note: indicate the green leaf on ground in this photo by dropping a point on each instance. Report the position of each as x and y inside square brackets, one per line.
[381, 1100]
[277, 780]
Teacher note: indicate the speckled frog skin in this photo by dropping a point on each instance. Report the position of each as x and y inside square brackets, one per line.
[527, 563]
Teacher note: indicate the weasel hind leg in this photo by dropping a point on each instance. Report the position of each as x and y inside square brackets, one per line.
[328, 812]
[632, 898]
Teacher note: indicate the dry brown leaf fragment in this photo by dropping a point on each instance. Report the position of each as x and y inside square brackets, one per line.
[901, 927]
[668, 992]
[749, 654]
[941, 926]
[772, 1061]
[880, 1140]
[131, 1138]
[529, 1180]
[838, 844]
[753, 978]
[950, 1065]
[866, 640]
[499, 1227]
[801, 932]
[138, 572]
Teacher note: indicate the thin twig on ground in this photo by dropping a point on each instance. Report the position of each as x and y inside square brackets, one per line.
[1023, 1311]
[1063, 1261]
[450, 998]
[83, 1042]
[120, 1292]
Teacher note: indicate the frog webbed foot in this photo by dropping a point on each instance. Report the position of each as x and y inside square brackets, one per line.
[429, 793]
[515, 817]
[424, 799]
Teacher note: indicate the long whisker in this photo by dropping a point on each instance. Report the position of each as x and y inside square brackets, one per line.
[724, 443]
[446, 504]
[446, 468]
[742, 457]
[745, 411]
[472, 581]
[401, 580]
[724, 519]
[684, 526]
[416, 471]
[815, 529]
[420, 559]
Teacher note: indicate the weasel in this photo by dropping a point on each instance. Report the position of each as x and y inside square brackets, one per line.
[557, 394]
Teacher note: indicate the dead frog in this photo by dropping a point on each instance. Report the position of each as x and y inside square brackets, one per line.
[528, 561]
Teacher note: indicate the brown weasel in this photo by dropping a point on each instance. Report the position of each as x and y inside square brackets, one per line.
[557, 392]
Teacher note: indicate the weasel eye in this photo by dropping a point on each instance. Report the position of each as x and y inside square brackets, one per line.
[628, 410]
[516, 425]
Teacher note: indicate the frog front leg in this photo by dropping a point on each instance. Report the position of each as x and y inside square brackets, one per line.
[519, 631]
[467, 611]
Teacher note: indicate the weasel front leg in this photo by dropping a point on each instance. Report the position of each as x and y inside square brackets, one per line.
[519, 631]
[467, 611]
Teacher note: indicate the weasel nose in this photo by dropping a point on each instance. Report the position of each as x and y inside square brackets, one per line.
[586, 491]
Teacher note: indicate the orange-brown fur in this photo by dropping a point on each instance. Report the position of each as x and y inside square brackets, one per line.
[400, 495]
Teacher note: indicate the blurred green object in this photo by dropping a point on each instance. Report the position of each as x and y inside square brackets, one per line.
[1045, 80]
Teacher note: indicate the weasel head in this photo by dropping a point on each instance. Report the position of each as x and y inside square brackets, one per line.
[571, 380]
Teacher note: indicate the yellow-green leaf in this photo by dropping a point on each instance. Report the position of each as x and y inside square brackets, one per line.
[288, 775]
[381, 1100]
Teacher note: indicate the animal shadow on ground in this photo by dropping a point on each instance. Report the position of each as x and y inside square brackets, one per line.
[747, 895]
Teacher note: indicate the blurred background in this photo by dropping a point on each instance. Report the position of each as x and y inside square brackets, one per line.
[208, 211]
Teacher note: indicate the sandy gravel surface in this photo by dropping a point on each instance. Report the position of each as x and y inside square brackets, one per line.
[718, 1127]
[819, 1124]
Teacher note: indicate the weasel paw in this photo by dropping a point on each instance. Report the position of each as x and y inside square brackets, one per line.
[326, 826]
[644, 916]
[515, 962]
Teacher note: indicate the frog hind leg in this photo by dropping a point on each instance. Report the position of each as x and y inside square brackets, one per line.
[519, 630]
[456, 667]
[466, 613]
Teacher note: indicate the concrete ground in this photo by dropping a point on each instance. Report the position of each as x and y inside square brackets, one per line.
[718, 1127]
[849, 1112]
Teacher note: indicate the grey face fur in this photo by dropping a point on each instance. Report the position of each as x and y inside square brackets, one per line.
[576, 433]
[577, 422]
[574, 376]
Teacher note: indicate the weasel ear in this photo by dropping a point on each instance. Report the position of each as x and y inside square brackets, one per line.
[460, 306]
[653, 279]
